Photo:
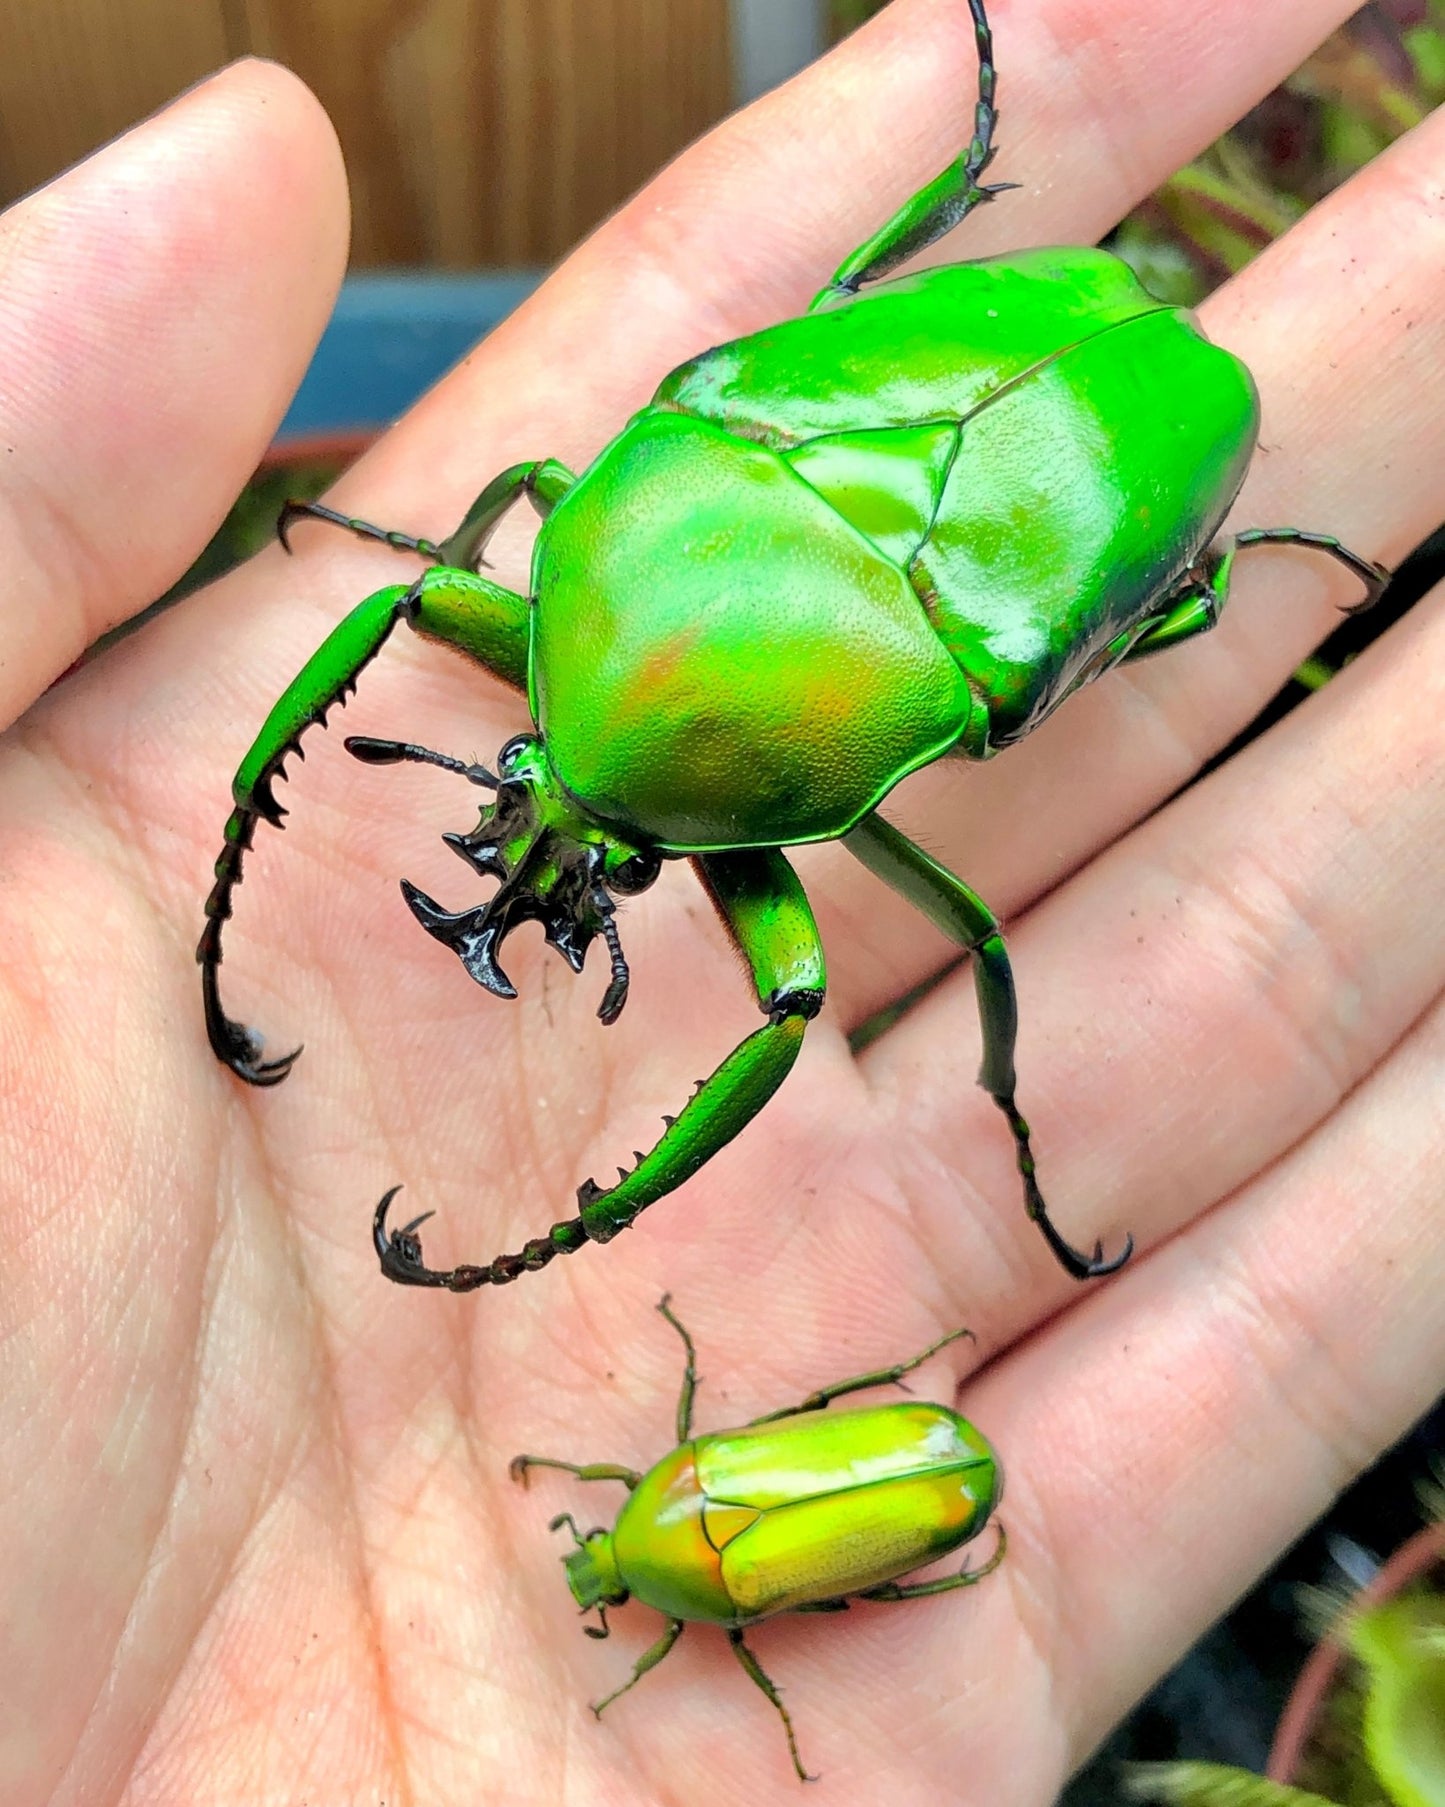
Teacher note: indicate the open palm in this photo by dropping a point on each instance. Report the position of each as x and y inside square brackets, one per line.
[262, 1543]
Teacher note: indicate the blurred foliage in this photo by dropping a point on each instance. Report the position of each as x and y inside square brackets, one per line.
[1382, 1737]
[1376, 77]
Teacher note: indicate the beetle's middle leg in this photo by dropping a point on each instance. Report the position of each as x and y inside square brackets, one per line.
[764, 909]
[760, 1677]
[542, 480]
[689, 1370]
[880, 1377]
[966, 919]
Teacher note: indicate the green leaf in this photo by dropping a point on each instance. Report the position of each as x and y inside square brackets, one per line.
[1213, 1785]
[1402, 1646]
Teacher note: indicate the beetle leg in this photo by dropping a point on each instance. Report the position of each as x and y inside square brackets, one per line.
[648, 1660]
[945, 202]
[689, 1371]
[880, 1377]
[764, 909]
[457, 608]
[543, 481]
[759, 1675]
[1197, 603]
[518, 1467]
[966, 1577]
[963, 915]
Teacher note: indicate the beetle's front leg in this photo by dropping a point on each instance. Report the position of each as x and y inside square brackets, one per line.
[520, 1466]
[966, 919]
[649, 1659]
[764, 909]
[458, 608]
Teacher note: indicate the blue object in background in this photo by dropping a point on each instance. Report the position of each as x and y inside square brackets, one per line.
[390, 338]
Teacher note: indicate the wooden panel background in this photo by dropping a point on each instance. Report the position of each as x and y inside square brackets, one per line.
[476, 132]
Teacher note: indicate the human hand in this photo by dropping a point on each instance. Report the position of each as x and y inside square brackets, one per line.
[263, 1543]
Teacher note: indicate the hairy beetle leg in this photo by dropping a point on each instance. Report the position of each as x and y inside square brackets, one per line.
[754, 1669]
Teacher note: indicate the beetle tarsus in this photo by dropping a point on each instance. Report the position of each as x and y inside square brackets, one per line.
[400, 1254]
[293, 511]
[237, 1046]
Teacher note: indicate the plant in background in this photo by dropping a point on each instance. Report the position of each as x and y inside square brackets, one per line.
[1379, 1738]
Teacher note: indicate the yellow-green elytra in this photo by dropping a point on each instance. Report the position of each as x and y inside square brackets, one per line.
[904, 526]
[799, 1511]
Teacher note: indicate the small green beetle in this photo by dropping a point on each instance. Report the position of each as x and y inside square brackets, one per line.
[908, 524]
[794, 1512]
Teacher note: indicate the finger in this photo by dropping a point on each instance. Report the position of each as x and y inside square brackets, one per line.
[1338, 322]
[158, 304]
[1169, 1438]
[1213, 987]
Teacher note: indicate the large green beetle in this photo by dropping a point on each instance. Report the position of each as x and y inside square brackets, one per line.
[795, 1512]
[908, 524]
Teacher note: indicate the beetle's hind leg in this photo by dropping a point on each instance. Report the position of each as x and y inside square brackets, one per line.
[945, 202]
[542, 480]
[963, 916]
[1197, 602]
[759, 1675]
[648, 1660]
[880, 1377]
[965, 1577]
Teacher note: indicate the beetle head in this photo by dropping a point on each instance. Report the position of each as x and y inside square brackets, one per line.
[592, 1572]
[557, 865]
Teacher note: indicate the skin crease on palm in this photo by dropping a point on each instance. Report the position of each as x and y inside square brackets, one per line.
[261, 1543]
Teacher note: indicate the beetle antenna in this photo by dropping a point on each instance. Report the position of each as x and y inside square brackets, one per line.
[591, 1631]
[396, 752]
[615, 996]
